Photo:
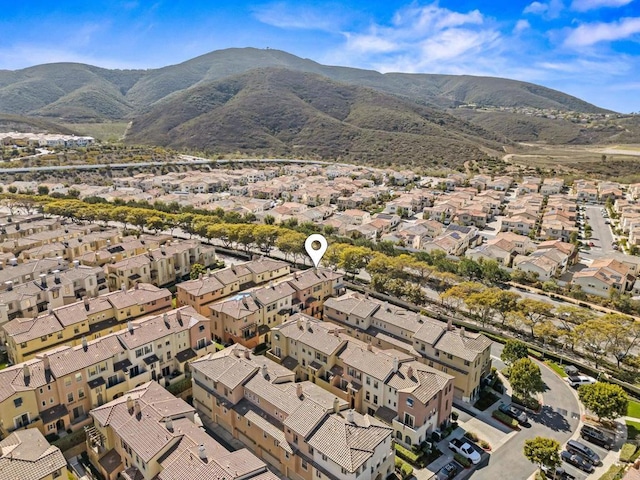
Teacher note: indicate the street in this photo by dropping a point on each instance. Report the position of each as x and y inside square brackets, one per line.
[558, 419]
[601, 235]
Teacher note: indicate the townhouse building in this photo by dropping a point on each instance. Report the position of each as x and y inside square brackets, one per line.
[212, 286]
[55, 390]
[88, 318]
[300, 428]
[604, 276]
[465, 355]
[48, 291]
[412, 398]
[27, 454]
[172, 447]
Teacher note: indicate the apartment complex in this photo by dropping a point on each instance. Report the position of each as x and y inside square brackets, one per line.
[150, 434]
[27, 454]
[300, 428]
[411, 397]
[85, 319]
[465, 355]
[55, 390]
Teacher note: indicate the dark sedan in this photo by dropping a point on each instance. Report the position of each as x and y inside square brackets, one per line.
[447, 472]
[514, 412]
[577, 461]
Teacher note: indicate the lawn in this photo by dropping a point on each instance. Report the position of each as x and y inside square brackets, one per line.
[633, 410]
[556, 368]
[633, 430]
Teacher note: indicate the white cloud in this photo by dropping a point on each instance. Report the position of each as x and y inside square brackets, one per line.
[303, 17]
[521, 26]
[585, 5]
[548, 10]
[26, 55]
[420, 39]
[592, 33]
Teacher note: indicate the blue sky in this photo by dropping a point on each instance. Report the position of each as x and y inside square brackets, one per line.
[588, 48]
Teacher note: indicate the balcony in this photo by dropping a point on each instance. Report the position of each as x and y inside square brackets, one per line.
[111, 384]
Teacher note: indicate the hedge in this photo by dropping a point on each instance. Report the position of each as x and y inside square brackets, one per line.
[627, 452]
[404, 468]
[612, 473]
[506, 419]
[464, 461]
[407, 454]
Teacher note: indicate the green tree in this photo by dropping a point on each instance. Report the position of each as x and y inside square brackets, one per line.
[269, 220]
[43, 190]
[514, 350]
[482, 304]
[543, 451]
[196, 270]
[595, 337]
[525, 378]
[353, 259]
[504, 302]
[534, 312]
[291, 243]
[604, 399]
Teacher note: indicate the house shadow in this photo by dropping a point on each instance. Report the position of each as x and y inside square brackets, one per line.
[551, 419]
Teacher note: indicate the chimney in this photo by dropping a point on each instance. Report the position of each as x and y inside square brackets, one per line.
[26, 371]
[86, 303]
[13, 262]
[59, 260]
[130, 405]
[123, 287]
[9, 285]
[137, 409]
[450, 324]
[396, 364]
[236, 352]
[136, 286]
[350, 417]
[165, 317]
[366, 295]
[410, 372]
[369, 347]
[163, 250]
[46, 364]
[298, 322]
[43, 280]
[336, 405]
[247, 354]
[298, 390]
[85, 346]
[200, 276]
[56, 276]
[76, 263]
[202, 452]
[108, 243]
[265, 372]
[169, 424]
[130, 326]
[462, 331]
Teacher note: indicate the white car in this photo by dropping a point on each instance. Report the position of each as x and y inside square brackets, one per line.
[576, 380]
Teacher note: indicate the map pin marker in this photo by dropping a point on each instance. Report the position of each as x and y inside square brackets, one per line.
[315, 254]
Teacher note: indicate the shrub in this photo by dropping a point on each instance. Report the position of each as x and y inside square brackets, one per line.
[612, 473]
[484, 444]
[627, 452]
[473, 436]
[530, 402]
[464, 461]
[454, 416]
[408, 455]
[506, 419]
[404, 468]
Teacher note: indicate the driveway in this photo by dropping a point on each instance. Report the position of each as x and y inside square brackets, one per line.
[558, 419]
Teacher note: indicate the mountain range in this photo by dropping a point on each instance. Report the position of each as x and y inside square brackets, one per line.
[269, 102]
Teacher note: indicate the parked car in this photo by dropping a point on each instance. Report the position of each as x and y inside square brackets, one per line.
[447, 472]
[576, 380]
[561, 473]
[597, 437]
[465, 449]
[581, 449]
[571, 370]
[577, 461]
[514, 412]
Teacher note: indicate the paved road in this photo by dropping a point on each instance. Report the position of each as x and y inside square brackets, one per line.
[601, 234]
[558, 419]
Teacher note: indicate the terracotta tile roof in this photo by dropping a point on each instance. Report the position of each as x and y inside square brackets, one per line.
[27, 455]
[465, 345]
[349, 444]
[424, 383]
[150, 329]
[312, 332]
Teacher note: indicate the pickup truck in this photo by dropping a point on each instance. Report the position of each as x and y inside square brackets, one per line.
[465, 449]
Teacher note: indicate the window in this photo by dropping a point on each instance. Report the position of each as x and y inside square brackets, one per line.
[139, 352]
[78, 377]
[408, 420]
[410, 402]
[57, 473]
[81, 393]
[70, 397]
[375, 399]
[17, 402]
[303, 464]
[324, 457]
[368, 380]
